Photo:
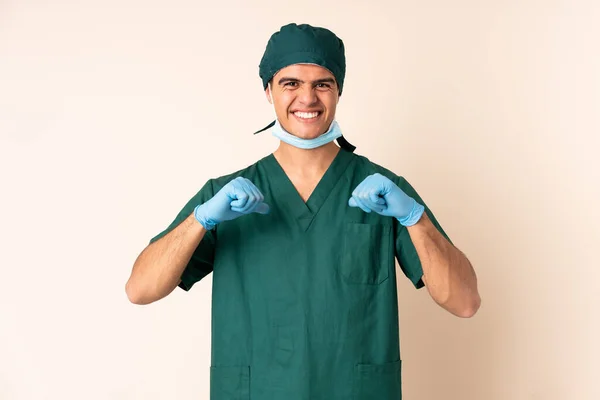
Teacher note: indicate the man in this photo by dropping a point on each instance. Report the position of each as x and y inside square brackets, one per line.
[302, 246]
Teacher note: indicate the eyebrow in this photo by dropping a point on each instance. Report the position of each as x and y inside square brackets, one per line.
[290, 79]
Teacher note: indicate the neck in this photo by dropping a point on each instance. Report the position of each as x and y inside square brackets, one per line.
[306, 162]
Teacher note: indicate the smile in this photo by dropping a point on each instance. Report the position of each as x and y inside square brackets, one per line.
[307, 115]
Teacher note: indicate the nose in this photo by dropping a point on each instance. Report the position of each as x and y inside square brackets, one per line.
[307, 95]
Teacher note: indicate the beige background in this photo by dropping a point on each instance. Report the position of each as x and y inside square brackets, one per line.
[114, 113]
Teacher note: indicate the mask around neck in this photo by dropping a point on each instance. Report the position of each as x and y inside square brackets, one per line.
[332, 133]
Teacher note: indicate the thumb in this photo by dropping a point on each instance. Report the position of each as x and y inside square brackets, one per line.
[262, 208]
[374, 197]
[352, 202]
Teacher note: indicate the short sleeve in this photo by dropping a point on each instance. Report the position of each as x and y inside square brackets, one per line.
[201, 262]
[406, 253]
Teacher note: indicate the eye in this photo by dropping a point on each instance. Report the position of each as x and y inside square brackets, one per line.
[291, 84]
[323, 86]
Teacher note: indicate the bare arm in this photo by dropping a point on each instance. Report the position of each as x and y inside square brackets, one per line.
[447, 273]
[157, 270]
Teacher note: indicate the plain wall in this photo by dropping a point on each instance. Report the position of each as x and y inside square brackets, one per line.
[114, 113]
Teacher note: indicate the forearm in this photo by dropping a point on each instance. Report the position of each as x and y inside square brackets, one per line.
[157, 270]
[447, 272]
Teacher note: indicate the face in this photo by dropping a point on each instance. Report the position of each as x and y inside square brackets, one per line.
[305, 98]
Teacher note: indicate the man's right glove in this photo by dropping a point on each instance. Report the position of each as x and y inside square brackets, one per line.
[236, 198]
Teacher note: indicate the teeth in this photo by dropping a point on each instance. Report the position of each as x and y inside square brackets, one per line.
[306, 115]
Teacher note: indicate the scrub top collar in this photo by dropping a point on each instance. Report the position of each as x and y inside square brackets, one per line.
[305, 212]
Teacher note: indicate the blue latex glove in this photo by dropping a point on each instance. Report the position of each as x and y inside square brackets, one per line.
[236, 198]
[378, 193]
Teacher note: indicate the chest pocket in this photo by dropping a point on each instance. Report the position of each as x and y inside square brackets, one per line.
[367, 254]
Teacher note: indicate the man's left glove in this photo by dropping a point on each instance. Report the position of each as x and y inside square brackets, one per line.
[378, 193]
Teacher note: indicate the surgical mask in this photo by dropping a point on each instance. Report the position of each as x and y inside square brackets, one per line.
[332, 133]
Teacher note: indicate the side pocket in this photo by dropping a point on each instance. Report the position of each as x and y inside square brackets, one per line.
[378, 381]
[366, 253]
[230, 383]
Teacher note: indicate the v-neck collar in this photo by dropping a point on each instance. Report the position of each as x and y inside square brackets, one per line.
[287, 194]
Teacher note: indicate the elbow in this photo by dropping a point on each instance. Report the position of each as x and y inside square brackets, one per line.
[134, 294]
[144, 292]
[470, 308]
[465, 306]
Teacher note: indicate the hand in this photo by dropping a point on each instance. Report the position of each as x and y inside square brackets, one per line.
[378, 193]
[236, 198]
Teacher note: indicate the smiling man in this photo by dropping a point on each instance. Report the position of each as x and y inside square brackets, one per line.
[302, 246]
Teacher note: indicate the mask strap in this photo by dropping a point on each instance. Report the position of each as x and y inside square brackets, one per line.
[344, 144]
[266, 127]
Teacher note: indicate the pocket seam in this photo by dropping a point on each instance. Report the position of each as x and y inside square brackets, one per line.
[381, 263]
[375, 379]
[230, 380]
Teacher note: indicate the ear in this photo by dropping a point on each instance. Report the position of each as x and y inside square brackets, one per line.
[268, 94]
